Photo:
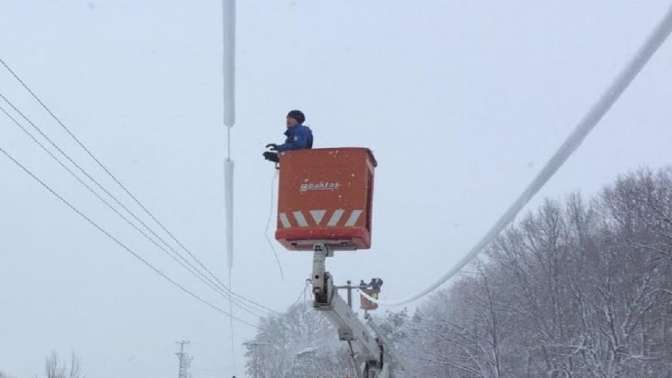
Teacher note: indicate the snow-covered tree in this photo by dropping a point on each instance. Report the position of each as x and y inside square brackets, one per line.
[573, 290]
[298, 343]
[55, 368]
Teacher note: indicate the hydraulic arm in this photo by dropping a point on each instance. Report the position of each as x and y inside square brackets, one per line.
[367, 349]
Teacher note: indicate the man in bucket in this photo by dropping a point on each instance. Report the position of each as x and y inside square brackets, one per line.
[298, 137]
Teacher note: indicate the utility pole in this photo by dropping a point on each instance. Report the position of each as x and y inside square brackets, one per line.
[257, 357]
[185, 360]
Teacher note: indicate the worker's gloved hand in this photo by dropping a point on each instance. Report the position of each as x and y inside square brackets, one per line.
[271, 156]
[272, 146]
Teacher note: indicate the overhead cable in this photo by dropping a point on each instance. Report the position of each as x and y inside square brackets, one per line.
[175, 255]
[573, 141]
[171, 253]
[118, 182]
[120, 243]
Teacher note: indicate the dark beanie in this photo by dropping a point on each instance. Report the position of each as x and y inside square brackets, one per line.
[297, 115]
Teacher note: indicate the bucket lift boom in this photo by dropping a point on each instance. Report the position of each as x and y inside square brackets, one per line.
[367, 350]
[325, 204]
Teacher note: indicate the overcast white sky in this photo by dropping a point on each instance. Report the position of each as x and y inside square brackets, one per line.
[461, 101]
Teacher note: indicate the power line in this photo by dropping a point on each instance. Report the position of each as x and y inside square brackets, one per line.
[120, 243]
[119, 183]
[573, 141]
[175, 255]
[135, 199]
[107, 192]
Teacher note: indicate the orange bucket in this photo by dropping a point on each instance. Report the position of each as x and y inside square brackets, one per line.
[326, 196]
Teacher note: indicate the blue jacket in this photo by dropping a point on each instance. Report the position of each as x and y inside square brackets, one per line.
[299, 137]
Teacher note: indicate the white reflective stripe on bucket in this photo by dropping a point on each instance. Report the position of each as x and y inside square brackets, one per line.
[284, 220]
[335, 218]
[354, 216]
[300, 219]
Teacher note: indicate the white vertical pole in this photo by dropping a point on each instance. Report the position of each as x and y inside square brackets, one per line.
[229, 62]
[229, 105]
[229, 70]
[228, 187]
